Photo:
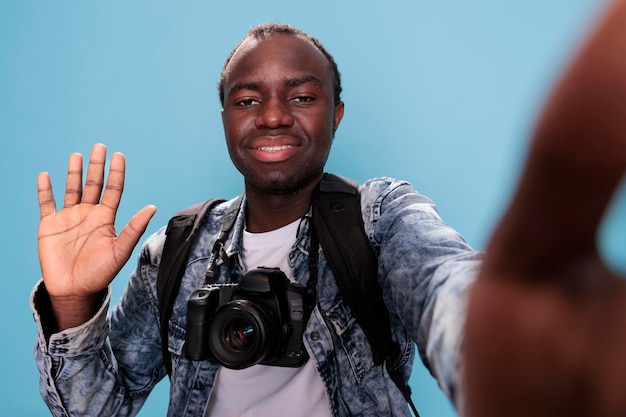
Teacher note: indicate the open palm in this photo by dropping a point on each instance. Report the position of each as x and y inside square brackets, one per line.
[79, 250]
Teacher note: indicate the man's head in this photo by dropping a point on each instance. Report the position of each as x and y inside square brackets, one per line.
[281, 107]
[263, 31]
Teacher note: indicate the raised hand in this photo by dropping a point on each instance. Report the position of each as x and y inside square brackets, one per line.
[546, 327]
[79, 250]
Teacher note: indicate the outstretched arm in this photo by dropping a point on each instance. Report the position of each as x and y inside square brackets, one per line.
[79, 250]
[546, 326]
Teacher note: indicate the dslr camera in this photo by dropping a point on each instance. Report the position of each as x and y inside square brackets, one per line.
[261, 320]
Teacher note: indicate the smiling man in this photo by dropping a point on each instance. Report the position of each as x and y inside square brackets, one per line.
[280, 114]
[280, 91]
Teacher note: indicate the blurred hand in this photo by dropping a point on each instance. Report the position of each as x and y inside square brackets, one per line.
[79, 250]
[546, 326]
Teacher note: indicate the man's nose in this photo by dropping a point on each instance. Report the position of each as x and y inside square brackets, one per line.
[273, 113]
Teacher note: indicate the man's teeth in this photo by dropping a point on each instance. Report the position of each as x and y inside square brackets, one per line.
[273, 148]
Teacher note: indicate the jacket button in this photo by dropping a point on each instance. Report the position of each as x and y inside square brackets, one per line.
[315, 335]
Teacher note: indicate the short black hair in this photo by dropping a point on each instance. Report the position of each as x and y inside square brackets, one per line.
[262, 31]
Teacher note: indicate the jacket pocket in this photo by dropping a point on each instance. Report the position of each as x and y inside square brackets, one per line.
[176, 338]
[353, 340]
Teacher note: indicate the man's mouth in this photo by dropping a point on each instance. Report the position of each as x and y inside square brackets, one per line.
[274, 148]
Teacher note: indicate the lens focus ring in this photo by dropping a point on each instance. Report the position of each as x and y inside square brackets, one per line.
[243, 333]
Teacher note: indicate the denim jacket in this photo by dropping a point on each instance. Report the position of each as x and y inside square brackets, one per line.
[108, 366]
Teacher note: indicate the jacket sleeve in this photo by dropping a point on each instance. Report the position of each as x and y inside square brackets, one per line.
[425, 270]
[108, 365]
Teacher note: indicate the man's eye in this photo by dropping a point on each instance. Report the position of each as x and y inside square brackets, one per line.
[303, 99]
[245, 102]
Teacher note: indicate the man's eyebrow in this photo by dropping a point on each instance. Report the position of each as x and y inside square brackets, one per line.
[294, 82]
[289, 82]
[245, 86]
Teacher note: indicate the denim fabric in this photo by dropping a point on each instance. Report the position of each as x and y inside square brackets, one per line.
[425, 268]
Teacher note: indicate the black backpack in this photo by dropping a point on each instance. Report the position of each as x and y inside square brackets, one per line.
[338, 227]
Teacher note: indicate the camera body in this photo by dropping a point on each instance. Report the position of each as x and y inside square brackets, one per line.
[261, 320]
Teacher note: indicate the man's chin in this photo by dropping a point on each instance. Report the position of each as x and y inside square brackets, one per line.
[282, 185]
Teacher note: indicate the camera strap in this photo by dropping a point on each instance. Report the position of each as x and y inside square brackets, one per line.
[219, 252]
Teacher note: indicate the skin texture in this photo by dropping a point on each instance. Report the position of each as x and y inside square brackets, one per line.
[546, 321]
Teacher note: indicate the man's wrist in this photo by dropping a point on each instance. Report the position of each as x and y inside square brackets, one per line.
[60, 313]
[74, 311]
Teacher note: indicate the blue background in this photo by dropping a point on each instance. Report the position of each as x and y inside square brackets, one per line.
[443, 94]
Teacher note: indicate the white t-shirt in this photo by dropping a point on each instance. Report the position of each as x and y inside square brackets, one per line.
[261, 390]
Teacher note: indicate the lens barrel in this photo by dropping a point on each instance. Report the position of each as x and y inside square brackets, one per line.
[244, 333]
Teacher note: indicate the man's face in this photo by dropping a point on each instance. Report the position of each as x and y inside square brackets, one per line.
[279, 116]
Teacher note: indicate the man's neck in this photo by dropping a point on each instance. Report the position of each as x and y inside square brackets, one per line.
[266, 212]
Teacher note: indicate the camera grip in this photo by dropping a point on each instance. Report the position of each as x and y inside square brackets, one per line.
[200, 307]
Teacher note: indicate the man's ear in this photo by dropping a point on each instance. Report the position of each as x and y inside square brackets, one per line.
[339, 107]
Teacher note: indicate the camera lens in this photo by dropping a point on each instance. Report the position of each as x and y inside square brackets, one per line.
[239, 334]
[243, 333]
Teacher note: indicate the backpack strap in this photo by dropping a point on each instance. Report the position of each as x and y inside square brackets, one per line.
[179, 234]
[338, 222]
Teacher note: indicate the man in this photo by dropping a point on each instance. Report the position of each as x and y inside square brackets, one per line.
[280, 91]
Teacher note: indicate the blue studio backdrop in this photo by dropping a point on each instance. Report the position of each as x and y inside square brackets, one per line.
[443, 94]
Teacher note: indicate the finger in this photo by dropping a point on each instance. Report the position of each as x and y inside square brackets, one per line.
[95, 174]
[577, 158]
[74, 180]
[115, 182]
[131, 233]
[45, 197]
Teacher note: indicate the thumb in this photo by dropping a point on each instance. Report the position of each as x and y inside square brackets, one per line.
[131, 233]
